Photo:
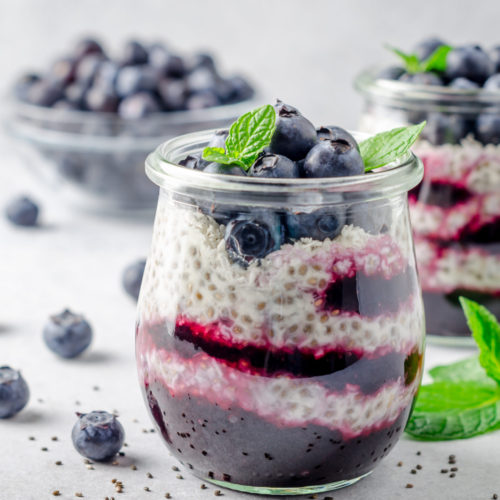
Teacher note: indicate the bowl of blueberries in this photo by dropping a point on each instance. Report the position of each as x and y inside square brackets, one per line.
[88, 121]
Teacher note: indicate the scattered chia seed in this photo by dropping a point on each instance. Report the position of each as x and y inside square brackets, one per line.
[78, 494]
[218, 493]
[167, 495]
[175, 468]
[54, 438]
[152, 430]
[419, 453]
[400, 464]
[179, 476]
[149, 475]
[419, 467]
[135, 421]
[40, 400]
[44, 448]
[145, 431]
[409, 485]
[125, 444]
[133, 467]
[115, 462]
[86, 461]
[146, 488]
[56, 493]
[77, 403]
[413, 471]
[121, 453]
[113, 481]
[444, 471]
[495, 496]
[90, 467]
[203, 486]
[95, 388]
[452, 474]
[452, 457]
[454, 469]
[59, 462]
[32, 438]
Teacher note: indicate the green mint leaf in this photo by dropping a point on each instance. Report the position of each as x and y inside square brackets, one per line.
[411, 61]
[250, 134]
[468, 369]
[486, 332]
[437, 60]
[219, 155]
[383, 148]
[455, 410]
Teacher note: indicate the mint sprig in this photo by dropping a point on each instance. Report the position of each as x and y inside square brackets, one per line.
[247, 137]
[435, 62]
[386, 147]
[464, 399]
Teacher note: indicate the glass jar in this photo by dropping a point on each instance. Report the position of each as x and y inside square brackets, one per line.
[271, 362]
[455, 211]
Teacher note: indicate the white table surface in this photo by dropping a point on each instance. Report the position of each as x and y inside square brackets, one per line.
[75, 260]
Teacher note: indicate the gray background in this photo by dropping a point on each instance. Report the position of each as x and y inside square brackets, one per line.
[304, 51]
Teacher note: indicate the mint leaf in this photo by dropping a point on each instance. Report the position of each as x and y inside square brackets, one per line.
[437, 60]
[219, 155]
[411, 61]
[455, 410]
[383, 148]
[468, 369]
[251, 133]
[486, 332]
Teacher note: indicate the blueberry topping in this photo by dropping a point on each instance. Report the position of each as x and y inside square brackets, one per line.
[295, 135]
[375, 218]
[219, 168]
[98, 435]
[488, 128]
[14, 392]
[218, 140]
[445, 129]
[462, 83]
[274, 166]
[138, 106]
[253, 236]
[492, 83]
[22, 211]
[132, 277]
[391, 73]
[427, 47]
[191, 161]
[333, 133]
[470, 62]
[133, 53]
[421, 79]
[67, 334]
[319, 224]
[333, 159]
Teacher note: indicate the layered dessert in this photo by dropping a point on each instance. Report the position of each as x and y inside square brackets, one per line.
[455, 212]
[281, 348]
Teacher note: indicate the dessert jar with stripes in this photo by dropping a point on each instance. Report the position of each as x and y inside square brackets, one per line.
[274, 362]
[455, 211]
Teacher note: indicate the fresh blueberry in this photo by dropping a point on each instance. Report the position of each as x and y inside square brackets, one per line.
[253, 236]
[391, 73]
[14, 392]
[132, 277]
[99, 99]
[75, 94]
[494, 54]
[138, 106]
[200, 80]
[492, 83]
[470, 62]
[201, 60]
[175, 67]
[62, 72]
[295, 135]
[462, 83]
[98, 435]
[87, 46]
[274, 166]
[427, 47]
[67, 334]
[444, 129]
[219, 168]
[22, 86]
[133, 79]
[44, 93]
[173, 94]
[421, 79]
[133, 53]
[374, 218]
[233, 89]
[319, 224]
[193, 162]
[88, 67]
[333, 159]
[106, 75]
[201, 100]
[333, 133]
[218, 140]
[488, 128]
[22, 211]
[158, 57]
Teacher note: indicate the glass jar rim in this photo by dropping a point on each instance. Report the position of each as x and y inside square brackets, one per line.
[163, 169]
[412, 96]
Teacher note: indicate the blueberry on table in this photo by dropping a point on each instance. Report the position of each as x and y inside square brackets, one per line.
[201, 79]
[391, 73]
[274, 166]
[421, 79]
[492, 83]
[106, 75]
[62, 72]
[201, 60]
[427, 47]
[133, 53]
[44, 93]
[470, 62]
[132, 277]
[319, 224]
[99, 99]
[98, 435]
[22, 211]
[75, 94]
[14, 392]
[218, 140]
[333, 159]
[334, 133]
[462, 83]
[67, 334]
[158, 56]
[488, 128]
[253, 236]
[173, 93]
[295, 135]
[138, 106]
[133, 79]
[87, 46]
[175, 67]
[220, 168]
[88, 67]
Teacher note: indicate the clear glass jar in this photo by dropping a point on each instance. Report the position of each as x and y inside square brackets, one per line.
[272, 363]
[455, 212]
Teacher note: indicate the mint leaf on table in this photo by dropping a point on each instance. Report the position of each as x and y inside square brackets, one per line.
[455, 410]
[437, 60]
[383, 148]
[247, 137]
[486, 332]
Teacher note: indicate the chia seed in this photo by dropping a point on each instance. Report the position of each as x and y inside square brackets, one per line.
[409, 485]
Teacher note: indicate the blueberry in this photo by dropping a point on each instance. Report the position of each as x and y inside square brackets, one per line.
[75, 94]
[319, 224]
[295, 135]
[132, 277]
[133, 79]
[421, 79]
[44, 93]
[233, 89]
[138, 106]
[98, 435]
[200, 80]
[333, 159]
[253, 236]
[106, 75]
[201, 60]
[62, 71]
[87, 46]
[22, 211]
[470, 62]
[374, 218]
[333, 133]
[87, 68]
[99, 99]
[219, 168]
[191, 161]
[22, 86]
[14, 392]
[175, 67]
[218, 140]
[391, 73]
[133, 53]
[427, 47]
[158, 57]
[444, 129]
[488, 128]
[65, 104]
[492, 83]
[462, 83]
[274, 166]
[67, 334]
[202, 100]
[173, 94]
[494, 54]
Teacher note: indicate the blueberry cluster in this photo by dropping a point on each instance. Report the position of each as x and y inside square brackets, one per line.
[297, 150]
[468, 67]
[143, 79]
